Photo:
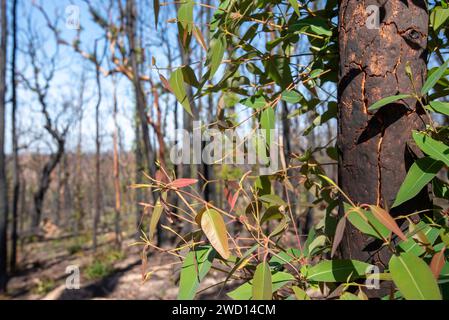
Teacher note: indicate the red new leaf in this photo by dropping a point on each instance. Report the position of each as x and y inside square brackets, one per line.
[183, 182]
[437, 263]
[387, 220]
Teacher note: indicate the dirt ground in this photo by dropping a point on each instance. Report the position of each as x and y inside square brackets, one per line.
[43, 275]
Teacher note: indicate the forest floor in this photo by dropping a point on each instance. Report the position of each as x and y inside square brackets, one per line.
[109, 274]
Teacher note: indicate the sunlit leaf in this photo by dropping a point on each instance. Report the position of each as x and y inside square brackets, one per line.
[387, 100]
[292, 96]
[295, 6]
[177, 85]
[156, 215]
[262, 286]
[436, 149]
[387, 220]
[413, 277]
[366, 222]
[215, 55]
[433, 78]
[337, 270]
[214, 228]
[438, 16]
[300, 294]
[419, 175]
[267, 123]
[440, 107]
[185, 15]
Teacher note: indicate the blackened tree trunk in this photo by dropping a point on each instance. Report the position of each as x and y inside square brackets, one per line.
[16, 168]
[376, 147]
[3, 184]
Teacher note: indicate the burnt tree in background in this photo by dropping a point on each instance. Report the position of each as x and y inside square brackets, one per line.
[376, 147]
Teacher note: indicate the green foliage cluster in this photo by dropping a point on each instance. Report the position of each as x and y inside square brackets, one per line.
[263, 73]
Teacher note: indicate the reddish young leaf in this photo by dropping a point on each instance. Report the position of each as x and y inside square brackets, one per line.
[161, 177]
[165, 83]
[227, 194]
[199, 37]
[182, 182]
[437, 263]
[234, 200]
[339, 231]
[387, 220]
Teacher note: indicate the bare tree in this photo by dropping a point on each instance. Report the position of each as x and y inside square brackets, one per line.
[3, 182]
[97, 212]
[15, 146]
[43, 69]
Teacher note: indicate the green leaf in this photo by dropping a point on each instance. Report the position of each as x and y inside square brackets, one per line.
[337, 270]
[438, 16]
[440, 107]
[262, 286]
[156, 215]
[185, 15]
[273, 199]
[295, 6]
[371, 226]
[316, 25]
[284, 257]
[348, 296]
[254, 102]
[245, 291]
[267, 124]
[215, 55]
[214, 228]
[272, 213]
[195, 267]
[300, 294]
[189, 76]
[436, 149]
[419, 175]
[413, 278]
[412, 246]
[440, 189]
[317, 243]
[387, 100]
[177, 84]
[292, 96]
[433, 78]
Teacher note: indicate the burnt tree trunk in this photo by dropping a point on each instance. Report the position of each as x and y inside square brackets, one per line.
[16, 168]
[376, 148]
[3, 182]
[44, 183]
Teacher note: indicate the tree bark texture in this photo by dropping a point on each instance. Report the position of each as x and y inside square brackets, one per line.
[376, 147]
[3, 182]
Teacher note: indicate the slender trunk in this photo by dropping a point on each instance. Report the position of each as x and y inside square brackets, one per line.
[141, 100]
[116, 168]
[376, 148]
[97, 162]
[3, 183]
[16, 168]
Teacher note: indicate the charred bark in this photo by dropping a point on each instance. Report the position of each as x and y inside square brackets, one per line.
[15, 147]
[376, 148]
[3, 182]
